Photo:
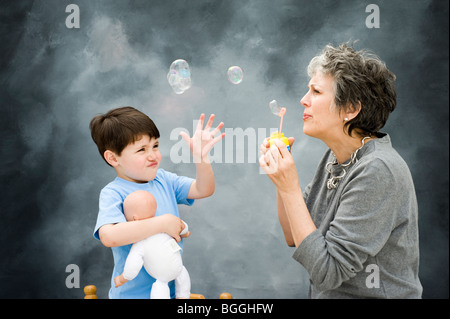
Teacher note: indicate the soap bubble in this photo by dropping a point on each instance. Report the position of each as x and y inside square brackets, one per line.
[274, 108]
[235, 74]
[179, 76]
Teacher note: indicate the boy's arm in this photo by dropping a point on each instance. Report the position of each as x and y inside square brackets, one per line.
[121, 234]
[200, 144]
[204, 184]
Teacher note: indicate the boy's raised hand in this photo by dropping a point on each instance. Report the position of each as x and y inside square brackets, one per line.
[203, 140]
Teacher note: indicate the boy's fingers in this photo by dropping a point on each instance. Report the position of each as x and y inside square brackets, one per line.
[217, 138]
[185, 137]
[214, 141]
[211, 143]
[217, 129]
[200, 122]
[210, 122]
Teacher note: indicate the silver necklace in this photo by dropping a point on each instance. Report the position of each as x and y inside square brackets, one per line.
[333, 181]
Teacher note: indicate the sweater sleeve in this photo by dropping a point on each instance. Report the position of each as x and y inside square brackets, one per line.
[363, 222]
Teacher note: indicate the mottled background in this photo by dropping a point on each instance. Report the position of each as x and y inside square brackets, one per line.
[55, 79]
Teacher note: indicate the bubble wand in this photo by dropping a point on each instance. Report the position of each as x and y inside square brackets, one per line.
[279, 112]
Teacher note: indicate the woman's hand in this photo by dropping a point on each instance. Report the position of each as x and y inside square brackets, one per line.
[265, 145]
[293, 213]
[278, 164]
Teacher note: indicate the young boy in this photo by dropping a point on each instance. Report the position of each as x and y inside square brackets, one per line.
[127, 139]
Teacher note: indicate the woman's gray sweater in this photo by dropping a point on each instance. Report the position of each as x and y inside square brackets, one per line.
[366, 244]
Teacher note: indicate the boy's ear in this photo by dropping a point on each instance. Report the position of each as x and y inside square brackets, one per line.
[111, 158]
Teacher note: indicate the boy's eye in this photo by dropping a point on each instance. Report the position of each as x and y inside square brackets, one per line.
[156, 146]
[141, 150]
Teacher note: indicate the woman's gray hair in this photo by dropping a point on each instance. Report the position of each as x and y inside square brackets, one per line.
[359, 77]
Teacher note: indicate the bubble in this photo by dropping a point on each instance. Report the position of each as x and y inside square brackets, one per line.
[274, 108]
[235, 74]
[179, 76]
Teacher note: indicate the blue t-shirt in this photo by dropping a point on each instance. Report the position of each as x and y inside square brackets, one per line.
[169, 190]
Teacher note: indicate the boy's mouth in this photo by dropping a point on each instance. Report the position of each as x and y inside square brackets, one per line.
[153, 164]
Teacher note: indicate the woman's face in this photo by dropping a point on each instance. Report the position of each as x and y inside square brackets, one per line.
[321, 120]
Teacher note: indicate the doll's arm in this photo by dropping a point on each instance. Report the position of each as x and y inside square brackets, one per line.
[185, 230]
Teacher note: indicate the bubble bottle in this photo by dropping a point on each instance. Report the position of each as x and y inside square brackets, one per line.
[284, 139]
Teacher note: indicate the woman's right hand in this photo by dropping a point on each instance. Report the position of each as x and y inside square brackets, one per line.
[265, 145]
[277, 162]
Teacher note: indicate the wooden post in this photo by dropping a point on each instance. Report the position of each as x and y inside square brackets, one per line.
[90, 292]
[225, 295]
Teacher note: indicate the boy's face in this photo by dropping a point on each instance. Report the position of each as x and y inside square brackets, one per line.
[139, 161]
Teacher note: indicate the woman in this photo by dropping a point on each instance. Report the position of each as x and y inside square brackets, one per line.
[355, 225]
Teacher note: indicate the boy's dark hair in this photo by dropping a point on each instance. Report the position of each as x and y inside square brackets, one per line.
[120, 127]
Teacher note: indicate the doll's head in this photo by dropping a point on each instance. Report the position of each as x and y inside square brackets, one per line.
[139, 205]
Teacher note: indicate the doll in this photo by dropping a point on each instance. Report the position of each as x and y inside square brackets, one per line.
[159, 254]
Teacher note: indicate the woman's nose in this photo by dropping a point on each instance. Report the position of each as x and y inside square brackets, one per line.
[305, 101]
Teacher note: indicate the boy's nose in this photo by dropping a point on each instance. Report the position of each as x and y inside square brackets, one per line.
[151, 156]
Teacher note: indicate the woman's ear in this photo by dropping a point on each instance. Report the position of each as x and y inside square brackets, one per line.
[352, 111]
[111, 158]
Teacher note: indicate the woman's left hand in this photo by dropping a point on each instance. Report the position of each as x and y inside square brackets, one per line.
[277, 162]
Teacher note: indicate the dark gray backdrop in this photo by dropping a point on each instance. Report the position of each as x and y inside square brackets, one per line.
[55, 79]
